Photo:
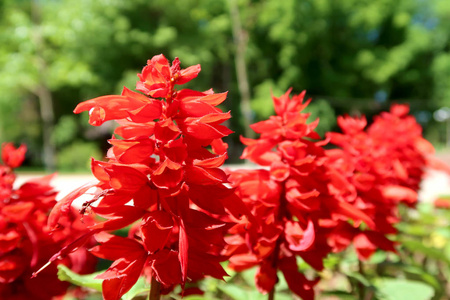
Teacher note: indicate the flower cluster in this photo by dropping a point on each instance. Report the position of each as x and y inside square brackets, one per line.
[384, 164]
[25, 240]
[297, 201]
[163, 178]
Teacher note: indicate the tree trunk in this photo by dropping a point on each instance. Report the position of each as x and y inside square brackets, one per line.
[240, 40]
[42, 91]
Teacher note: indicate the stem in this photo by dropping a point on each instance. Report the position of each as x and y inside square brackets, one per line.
[282, 212]
[271, 294]
[275, 254]
[155, 290]
[361, 290]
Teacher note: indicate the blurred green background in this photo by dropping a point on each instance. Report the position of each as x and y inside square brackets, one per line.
[352, 56]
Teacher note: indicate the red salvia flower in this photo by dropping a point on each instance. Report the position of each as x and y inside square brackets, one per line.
[385, 164]
[26, 241]
[442, 202]
[297, 201]
[163, 177]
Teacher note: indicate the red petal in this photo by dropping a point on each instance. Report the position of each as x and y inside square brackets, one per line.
[18, 211]
[266, 277]
[98, 170]
[188, 74]
[196, 109]
[352, 212]
[156, 228]
[296, 281]
[168, 175]
[198, 175]
[66, 250]
[133, 151]
[166, 267]
[211, 162]
[147, 113]
[200, 195]
[299, 239]
[399, 193]
[183, 250]
[219, 147]
[105, 108]
[126, 179]
[135, 131]
[9, 240]
[115, 247]
[121, 277]
[11, 267]
[117, 219]
[11, 156]
[63, 206]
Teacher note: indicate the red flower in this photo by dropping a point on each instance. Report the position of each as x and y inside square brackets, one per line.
[163, 177]
[297, 201]
[25, 240]
[158, 77]
[11, 156]
[385, 164]
[443, 203]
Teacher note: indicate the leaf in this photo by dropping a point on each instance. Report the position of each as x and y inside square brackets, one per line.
[249, 276]
[65, 274]
[196, 297]
[360, 278]
[378, 257]
[233, 291]
[413, 229]
[239, 293]
[418, 246]
[425, 276]
[141, 287]
[342, 295]
[401, 289]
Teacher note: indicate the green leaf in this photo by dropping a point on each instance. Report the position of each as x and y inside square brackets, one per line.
[238, 293]
[418, 246]
[413, 229]
[424, 275]
[249, 276]
[195, 297]
[65, 274]
[414, 272]
[235, 292]
[360, 278]
[400, 289]
[140, 287]
[378, 257]
[339, 294]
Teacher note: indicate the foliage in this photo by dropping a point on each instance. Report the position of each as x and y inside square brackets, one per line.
[356, 55]
[75, 157]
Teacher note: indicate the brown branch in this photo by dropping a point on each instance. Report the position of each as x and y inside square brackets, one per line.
[155, 290]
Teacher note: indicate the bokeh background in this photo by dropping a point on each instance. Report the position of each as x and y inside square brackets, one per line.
[352, 56]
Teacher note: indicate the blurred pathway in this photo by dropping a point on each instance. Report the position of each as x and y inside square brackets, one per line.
[435, 183]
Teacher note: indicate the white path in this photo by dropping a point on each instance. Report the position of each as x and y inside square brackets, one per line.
[435, 183]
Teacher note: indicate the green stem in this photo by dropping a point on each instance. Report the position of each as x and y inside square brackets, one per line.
[361, 289]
